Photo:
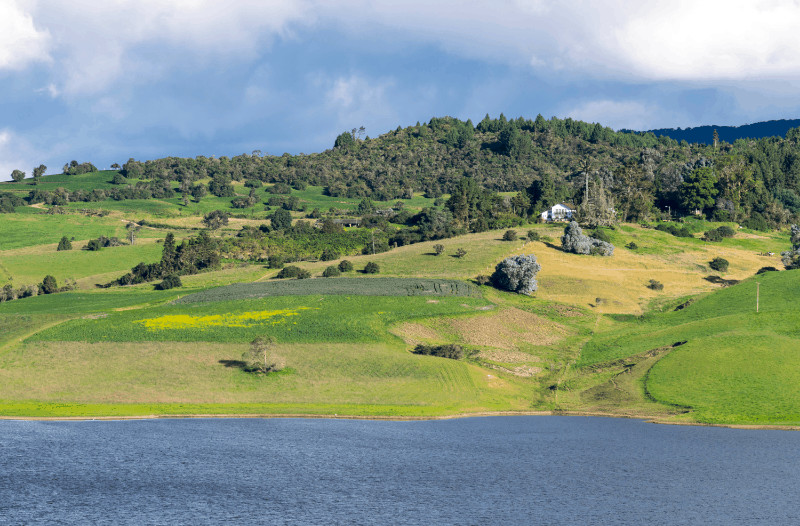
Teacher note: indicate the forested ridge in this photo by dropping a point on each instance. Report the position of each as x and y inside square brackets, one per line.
[638, 176]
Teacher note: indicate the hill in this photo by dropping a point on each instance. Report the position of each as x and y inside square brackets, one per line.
[730, 134]
[133, 351]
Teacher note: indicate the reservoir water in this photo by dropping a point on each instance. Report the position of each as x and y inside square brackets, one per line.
[495, 470]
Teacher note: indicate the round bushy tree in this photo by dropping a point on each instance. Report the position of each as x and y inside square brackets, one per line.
[574, 241]
[331, 272]
[510, 235]
[371, 268]
[329, 254]
[719, 264]
[345, 266]
[517, 274]
[170, 282]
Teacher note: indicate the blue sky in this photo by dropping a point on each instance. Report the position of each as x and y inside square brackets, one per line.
[106, 80]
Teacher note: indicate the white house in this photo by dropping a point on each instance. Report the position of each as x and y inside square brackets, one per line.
[559, 212]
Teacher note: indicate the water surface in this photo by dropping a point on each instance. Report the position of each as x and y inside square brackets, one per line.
[496, 470]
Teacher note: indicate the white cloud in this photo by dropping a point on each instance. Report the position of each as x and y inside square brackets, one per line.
[95, 43]
[15, 154]
[683, 40]
[20, 41]
[98, 43]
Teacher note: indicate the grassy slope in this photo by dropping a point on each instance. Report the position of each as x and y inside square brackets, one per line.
[538, 336]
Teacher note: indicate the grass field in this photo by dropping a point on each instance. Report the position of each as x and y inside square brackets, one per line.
[593, 339]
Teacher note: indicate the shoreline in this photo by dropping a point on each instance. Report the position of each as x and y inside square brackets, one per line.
[648, 419]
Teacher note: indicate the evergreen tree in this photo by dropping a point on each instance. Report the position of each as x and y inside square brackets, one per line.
[64, 244]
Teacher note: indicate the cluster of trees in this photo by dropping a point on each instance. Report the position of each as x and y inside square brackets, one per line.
[49, 285]
[193, 255]
[75, 168]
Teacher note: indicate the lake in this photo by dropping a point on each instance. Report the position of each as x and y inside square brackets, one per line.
[493, 470]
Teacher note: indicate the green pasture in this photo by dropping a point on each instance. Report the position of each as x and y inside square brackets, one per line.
[738, 376]
[27, 230]
[725, 362]
[288, 319]
[27, 266]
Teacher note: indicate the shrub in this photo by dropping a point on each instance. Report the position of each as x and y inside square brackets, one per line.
[766, 269]
[483, 280]
[64, 244]
[719, 264]
[170, 282]
[533, 235]
[718, 234]
[331, 272]
[655, 285]
[329, 254]
[94, 245]
[631, 246]
[275, 261]
[289, 271]
[371, 268]
[460, 253]
[712, 235]
[684, 232]
[438, 249]
[726, 231]
[451, 351]
[345, 266]
[517, 274]
[303, 274]
[510, 235]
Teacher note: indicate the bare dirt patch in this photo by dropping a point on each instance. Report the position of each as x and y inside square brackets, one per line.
[507, 328]
[525, 371]
[497, 355]
[416, 333]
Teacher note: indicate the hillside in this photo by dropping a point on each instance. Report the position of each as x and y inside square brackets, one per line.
[730, 134]
[133, 351]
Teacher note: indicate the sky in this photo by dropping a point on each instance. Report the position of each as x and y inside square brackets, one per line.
[107, 80]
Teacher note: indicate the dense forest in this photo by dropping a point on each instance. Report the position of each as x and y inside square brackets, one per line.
[608, 175]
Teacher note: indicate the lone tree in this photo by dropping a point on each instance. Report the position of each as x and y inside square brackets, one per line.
[438, 249]
[64, 244]
[719, 264]
[260, 357]
[517, 274]
[17, 175]
[574, 241]
[216, 219]
[49, 285]
[510, 235]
